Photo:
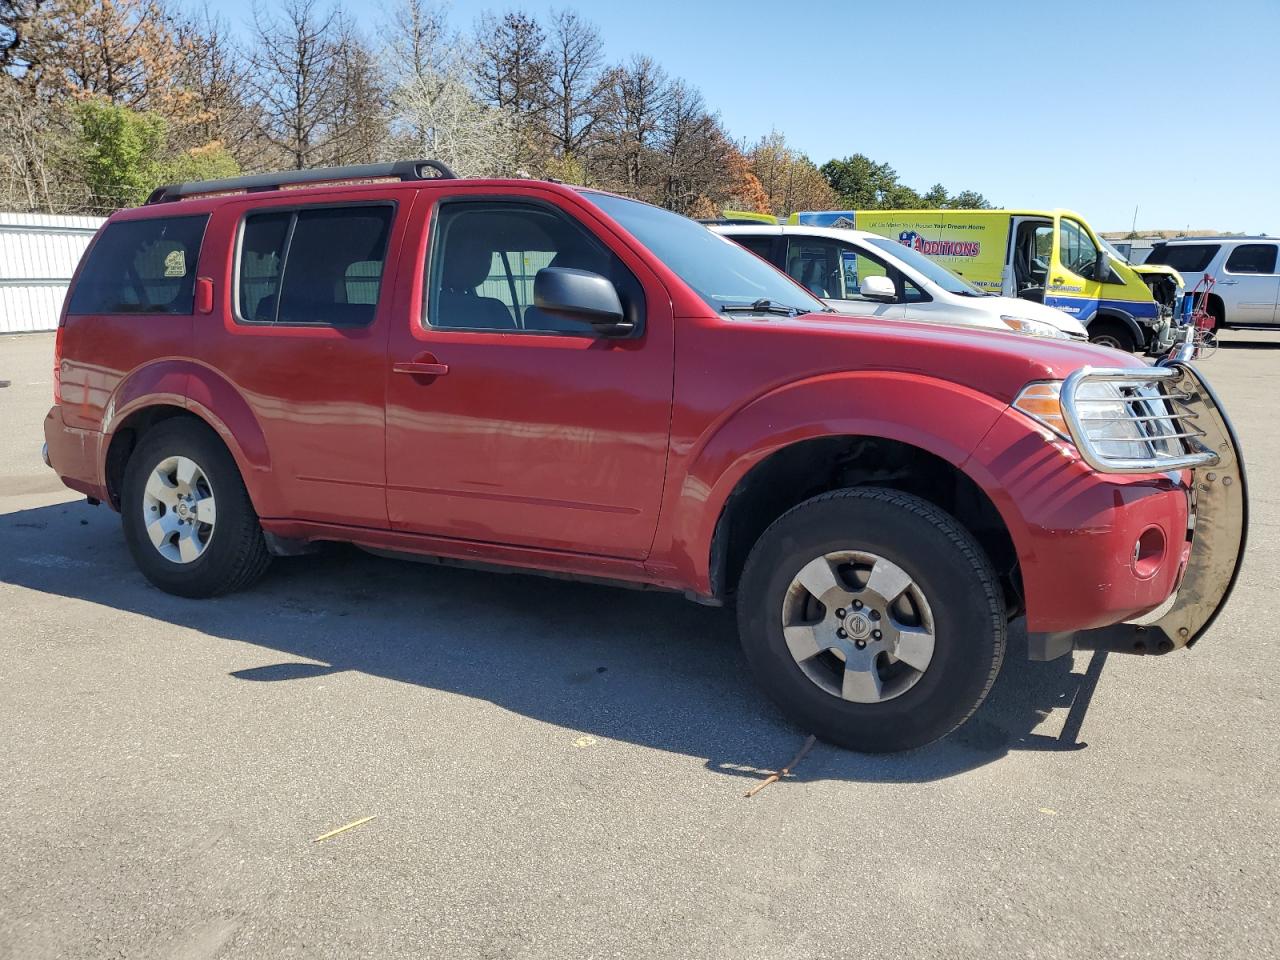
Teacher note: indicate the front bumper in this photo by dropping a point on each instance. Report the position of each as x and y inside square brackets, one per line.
[1219, 523]
[1118, 553]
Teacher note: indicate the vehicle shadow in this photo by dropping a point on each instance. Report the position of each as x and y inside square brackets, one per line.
[1228, 344]
[644, 667]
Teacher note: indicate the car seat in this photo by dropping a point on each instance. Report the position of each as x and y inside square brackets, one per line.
[466, 265]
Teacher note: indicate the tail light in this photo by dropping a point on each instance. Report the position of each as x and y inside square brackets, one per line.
[57, 365]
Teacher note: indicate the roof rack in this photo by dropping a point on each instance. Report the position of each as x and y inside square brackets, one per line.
[398, 170]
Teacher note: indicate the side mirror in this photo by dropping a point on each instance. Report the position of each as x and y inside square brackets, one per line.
[1102, 267]
[878, 287]
[581, 295]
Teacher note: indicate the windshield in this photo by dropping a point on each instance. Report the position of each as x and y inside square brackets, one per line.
[718, 270]
[1116, 254]
[927, 268]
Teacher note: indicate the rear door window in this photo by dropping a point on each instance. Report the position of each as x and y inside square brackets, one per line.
[141, 266]
[1184, 257]
[1252, 258]
[314, 266]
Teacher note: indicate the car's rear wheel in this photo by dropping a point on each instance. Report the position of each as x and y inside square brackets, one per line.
[187, 517]
[872, 618]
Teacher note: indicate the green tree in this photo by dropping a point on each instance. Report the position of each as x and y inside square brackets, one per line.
[119, 152]
[124, 155]
[936, 196]
[860, 182]
[969, 200]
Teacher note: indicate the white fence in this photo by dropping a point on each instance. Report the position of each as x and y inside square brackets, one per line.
[38, 255]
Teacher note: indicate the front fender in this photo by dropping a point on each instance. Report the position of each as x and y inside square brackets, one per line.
[942, 418]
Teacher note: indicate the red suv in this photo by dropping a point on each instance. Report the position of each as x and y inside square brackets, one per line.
[527, 374]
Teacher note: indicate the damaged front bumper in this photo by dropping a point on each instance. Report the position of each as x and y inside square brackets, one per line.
[1219, 502]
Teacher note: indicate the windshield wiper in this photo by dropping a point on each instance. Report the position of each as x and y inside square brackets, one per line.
[761, 306]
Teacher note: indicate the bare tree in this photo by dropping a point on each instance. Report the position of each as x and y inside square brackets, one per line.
[511, 72]
[574, 82]
[359, 129]
[637, 96]
[451, 125]
[34, 152]
[421, 43]
[291, 79]
[693, 148]
[214, 75]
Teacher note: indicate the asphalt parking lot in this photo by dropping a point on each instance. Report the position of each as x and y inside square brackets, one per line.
[557, 770]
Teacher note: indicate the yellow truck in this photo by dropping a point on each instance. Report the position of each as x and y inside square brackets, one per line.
[1050, 256]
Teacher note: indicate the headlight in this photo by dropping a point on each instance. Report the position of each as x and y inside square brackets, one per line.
[1110, 419]
[1124, 422]
[1033, 328]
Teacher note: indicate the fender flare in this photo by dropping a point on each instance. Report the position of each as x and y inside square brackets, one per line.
[882, 404]
[205, 394]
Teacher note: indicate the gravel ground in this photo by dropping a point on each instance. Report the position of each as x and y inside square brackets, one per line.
[557, 770]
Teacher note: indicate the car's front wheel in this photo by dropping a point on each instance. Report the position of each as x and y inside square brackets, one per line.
[187, 517]
[872, 618]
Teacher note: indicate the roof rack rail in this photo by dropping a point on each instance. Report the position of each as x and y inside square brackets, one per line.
[398, 170]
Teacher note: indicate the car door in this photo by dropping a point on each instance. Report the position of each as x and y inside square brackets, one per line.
[528, 430]
[833, 271]
[1249, 285]
[302, 339]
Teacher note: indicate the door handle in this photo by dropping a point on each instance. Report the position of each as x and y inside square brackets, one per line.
[1057, 279]
[421, 368]
[1227, 283]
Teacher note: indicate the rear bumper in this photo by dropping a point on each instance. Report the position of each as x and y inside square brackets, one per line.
[74, 455]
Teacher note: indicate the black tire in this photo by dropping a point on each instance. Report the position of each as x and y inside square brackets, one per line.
[236, 554]
[1106, 332]
[946, 563]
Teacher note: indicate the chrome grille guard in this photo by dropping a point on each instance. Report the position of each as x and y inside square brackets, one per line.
[1167, 418]
[1219, 517]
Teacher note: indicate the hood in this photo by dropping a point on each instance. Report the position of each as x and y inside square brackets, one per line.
[997, 363]
[1029, 309]
[1156, 270]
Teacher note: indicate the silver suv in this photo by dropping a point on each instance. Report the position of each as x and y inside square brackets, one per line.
[1247, 288]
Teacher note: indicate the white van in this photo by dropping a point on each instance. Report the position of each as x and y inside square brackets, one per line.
[865, 274]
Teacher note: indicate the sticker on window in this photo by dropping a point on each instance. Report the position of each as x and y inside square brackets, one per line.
[175, 263]
[849, 259]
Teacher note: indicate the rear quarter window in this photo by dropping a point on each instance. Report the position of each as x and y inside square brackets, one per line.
[1185, 257]
[141, 266]
[1252, 258]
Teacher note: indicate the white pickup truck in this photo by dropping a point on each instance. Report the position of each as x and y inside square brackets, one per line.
[865, 274]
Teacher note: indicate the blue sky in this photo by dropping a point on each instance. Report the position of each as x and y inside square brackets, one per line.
[1098, 106]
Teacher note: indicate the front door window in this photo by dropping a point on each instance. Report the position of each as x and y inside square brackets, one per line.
[1076, 249]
